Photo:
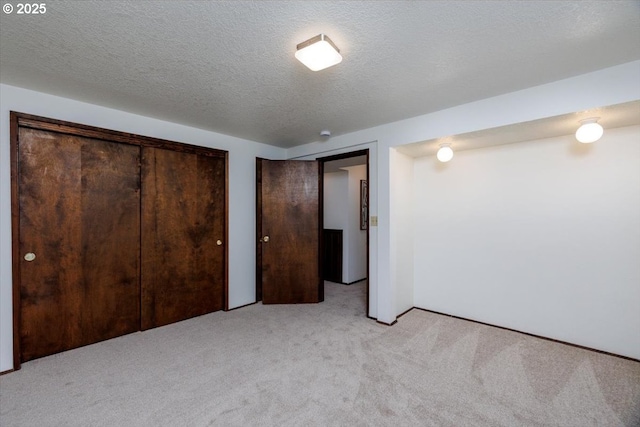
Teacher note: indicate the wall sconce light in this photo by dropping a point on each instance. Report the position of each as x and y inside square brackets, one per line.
[318, 53]
[445, 153]
[589, 131]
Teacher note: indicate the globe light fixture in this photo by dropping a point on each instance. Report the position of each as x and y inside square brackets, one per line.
[589, 131]
[445, 153]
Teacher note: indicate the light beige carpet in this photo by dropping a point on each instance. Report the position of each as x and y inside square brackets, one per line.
[323, 365]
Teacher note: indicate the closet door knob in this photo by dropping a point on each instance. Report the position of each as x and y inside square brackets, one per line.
[29, 256]
[219, 242]
[265, 239]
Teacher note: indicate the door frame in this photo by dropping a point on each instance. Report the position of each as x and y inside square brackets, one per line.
[349, 155]
[18, 120]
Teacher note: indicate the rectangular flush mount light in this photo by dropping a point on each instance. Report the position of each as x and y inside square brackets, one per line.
[318, 53]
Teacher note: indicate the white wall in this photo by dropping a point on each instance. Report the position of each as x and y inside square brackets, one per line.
[336, 217]
[342, 212]
[402, 229]
[242, 154]
[600, 88]
[357, 249]
[542, 237]
[335, 195]
[605, 87]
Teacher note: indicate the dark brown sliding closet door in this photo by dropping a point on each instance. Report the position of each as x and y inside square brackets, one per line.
[79, 241]
[183, 233]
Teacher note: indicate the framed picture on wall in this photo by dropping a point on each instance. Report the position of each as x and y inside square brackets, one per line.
[364, 205]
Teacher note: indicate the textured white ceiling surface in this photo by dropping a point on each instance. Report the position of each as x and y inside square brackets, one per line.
[229, 66]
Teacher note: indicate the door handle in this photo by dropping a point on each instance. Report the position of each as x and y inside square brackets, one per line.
[30, 256]
[265, 239]
[219, 242]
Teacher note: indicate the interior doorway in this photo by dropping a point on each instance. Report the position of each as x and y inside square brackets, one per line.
[345, 248]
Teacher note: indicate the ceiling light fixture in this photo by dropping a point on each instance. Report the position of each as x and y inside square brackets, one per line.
[445, 153]
[589, 131]
[318, 53]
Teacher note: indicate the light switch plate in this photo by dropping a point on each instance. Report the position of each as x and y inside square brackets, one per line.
[374, 221]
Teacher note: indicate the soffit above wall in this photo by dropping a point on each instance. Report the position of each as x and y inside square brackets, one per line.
[627, 114]
[338, 165]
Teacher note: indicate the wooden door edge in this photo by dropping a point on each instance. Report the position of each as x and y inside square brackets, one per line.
[368, 236]
[258, 236]
[15, 238]
[320, 230]
[226, 231]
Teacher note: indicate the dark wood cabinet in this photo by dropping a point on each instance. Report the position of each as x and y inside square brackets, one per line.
[112, 233]
[332, 255]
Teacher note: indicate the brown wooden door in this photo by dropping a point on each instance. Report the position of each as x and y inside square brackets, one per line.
[183, 235]
[289, 232]
[79, 216]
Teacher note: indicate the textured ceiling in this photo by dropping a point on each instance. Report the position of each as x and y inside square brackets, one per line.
[229, 66]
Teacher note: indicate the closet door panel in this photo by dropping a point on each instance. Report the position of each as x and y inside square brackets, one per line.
[183, 231]
[111, 238]
[79, 216]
